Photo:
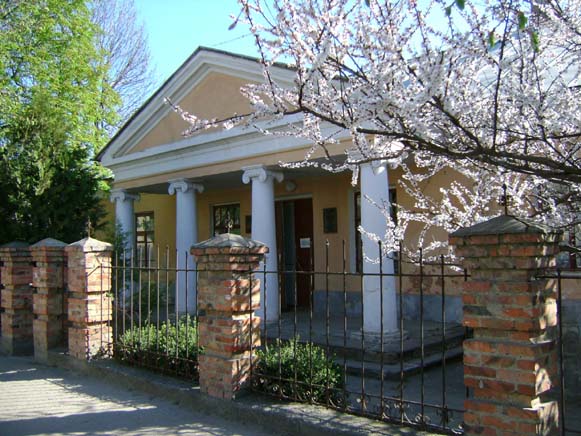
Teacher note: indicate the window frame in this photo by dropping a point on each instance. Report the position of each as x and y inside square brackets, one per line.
[236, 229]
[148, 258]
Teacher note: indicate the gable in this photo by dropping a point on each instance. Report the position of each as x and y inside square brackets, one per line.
[217, 95]
[149, 149]
[207, 84]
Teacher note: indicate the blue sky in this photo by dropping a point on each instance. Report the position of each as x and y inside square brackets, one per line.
[176, 28]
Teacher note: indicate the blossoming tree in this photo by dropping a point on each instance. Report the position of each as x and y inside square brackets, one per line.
[489, 88]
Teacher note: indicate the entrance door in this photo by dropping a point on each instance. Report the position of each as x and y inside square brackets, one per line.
[294, 224]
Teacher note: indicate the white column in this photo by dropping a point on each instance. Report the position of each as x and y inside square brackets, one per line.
[124, 215]
[186, 236]
[264, 230]
[374, 198]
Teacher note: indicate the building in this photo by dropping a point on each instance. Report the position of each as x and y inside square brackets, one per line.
[174, 191]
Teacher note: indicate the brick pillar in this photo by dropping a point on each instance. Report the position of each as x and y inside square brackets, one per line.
[90, 306]
[48, 282]
[227, 298]
[511, 363]
[16, 301]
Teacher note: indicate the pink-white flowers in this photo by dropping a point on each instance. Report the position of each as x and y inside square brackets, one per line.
[489, 89]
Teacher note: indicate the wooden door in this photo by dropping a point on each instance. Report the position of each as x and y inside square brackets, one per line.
[304, 248]
[295, 242]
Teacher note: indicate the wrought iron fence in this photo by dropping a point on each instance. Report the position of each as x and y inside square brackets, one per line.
[320, 353]
[568, 332]
[315, 350]
[151, 327]
[1, 290]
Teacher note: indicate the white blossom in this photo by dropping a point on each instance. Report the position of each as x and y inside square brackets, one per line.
[490, 91]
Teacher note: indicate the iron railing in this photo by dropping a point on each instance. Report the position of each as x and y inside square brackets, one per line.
[568, 350]
[412, 376]
[151, 326]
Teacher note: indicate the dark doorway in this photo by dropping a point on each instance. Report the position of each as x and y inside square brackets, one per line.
[294, 230]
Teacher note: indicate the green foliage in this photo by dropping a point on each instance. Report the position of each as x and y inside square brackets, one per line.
[174, 347]
[522, 20]
[54, 98]
[283, 362]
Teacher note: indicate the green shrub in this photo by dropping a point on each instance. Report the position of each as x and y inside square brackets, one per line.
[283, 362]
[168, 349]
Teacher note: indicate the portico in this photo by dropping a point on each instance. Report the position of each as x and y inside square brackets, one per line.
[188, 186]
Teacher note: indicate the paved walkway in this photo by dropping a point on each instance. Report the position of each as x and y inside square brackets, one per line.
[41, 400]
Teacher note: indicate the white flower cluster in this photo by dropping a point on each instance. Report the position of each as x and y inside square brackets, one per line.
[490, 90]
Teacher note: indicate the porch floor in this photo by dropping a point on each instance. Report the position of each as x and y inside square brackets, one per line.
[345, 339]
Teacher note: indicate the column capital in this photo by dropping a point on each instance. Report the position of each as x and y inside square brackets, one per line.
[122, 195]
[260, 173]
[183, 185]
[377, 166]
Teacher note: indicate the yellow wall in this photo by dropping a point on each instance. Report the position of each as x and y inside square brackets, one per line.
[163, 208]
[216, 96]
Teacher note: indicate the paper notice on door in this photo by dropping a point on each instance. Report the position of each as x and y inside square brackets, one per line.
[305, 242]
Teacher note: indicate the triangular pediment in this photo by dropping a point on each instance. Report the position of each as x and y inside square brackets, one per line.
[207, 84]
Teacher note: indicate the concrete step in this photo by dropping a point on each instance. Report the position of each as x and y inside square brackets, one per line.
[391, 371]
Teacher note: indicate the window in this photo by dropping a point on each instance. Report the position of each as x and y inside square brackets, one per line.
[226, 219]
[144, 237]
[358, 240]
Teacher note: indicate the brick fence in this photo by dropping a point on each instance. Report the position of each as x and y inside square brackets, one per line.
[56, 295]
[228, 294]
[510, 364]
[49, 303]
[16, 302]
[90, 307]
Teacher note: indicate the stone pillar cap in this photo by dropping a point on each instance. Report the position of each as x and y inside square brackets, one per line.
[503, 224]
[49, 242]
[90, 244]
[231, 240]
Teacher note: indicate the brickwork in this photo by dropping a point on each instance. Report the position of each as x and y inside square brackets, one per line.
[48, 283]
[227, 298]
[16, 298]
[90, 305]
[510, 365]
